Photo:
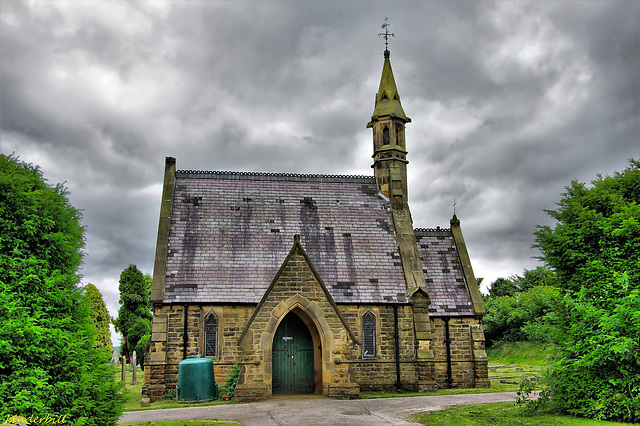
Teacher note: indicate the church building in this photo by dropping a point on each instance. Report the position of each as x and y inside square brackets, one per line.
[315, 283]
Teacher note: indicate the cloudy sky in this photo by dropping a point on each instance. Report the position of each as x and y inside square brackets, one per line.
[510, 101]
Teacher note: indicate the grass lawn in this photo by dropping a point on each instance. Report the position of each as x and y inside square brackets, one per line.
[133, 395]
[504, 377]
[500, 414]
[185, 423]
[529, 353]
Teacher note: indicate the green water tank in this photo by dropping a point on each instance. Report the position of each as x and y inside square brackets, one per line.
[196, 382]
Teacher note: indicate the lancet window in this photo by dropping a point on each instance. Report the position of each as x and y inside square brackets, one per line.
[211, 325]
[368, 335]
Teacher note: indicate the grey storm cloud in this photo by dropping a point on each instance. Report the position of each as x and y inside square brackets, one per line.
[510, 101]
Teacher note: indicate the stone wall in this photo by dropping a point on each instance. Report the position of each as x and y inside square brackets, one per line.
[340, 369]
[167, 343]
[380, 372]
[467, 353]
[298, 289]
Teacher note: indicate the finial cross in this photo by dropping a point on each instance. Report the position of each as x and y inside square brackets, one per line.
[386, 33]
[454, 206]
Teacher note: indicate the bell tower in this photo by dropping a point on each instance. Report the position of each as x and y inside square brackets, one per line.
[389, 145]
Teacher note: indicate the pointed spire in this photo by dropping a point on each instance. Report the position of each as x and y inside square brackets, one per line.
[387, 98]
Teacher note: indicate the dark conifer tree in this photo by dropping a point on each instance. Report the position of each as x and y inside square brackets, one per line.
[100, 315]
[134, 316]
[48, 363]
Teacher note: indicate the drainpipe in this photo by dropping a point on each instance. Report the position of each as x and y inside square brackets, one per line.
[397, 339]
[447, 343]
[185, 337]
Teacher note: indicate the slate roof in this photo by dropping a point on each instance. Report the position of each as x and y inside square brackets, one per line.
[230, 233]
[443, 273]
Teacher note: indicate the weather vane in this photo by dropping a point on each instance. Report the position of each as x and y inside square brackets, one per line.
[454, 206]
[386, 33]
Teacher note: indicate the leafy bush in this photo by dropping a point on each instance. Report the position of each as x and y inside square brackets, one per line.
[498, 323]
[595, 250]
[597, 373]
[228, 387]
[529, 316]
[529, 405]
[542, 305]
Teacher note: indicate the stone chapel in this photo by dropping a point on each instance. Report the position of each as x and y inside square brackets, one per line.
[316, 283]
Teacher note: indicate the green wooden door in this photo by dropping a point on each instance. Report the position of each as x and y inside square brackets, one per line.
[292, 356]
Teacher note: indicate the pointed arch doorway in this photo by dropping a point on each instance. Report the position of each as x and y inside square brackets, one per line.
[294, 356]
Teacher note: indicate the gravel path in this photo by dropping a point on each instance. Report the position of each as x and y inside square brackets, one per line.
[318, 410]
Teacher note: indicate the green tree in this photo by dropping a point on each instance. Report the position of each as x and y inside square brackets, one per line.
[48, 362]
[100, 315]
[597, 236]
[498, 322]
[595, 250]
[540, 276]
[134, 316]
[531, 315]
[543, 306]
[597, 371]
[503, 287]
[516, 284]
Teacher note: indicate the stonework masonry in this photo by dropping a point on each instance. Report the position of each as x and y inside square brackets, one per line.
[167, 347]
[295, 279]
[340, 370]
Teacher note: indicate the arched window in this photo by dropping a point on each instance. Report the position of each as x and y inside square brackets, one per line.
[211, 325]
[385, 135]
[368, 335]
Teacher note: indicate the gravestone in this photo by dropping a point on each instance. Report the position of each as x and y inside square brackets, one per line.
[124, 370]
[134, 364]
[115, 357]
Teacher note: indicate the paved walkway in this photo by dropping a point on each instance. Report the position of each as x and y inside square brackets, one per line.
[318, 410]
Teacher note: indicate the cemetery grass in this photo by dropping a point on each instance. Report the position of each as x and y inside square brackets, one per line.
[501, 414]
[509, 364]
[504, 377]
[528, 353]
[185, 423]
[133, 398]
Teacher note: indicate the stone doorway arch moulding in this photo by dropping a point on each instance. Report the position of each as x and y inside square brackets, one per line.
[313, 316]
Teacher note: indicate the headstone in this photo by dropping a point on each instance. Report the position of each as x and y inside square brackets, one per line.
[124, 369]
[115, 357]
[134, 364]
